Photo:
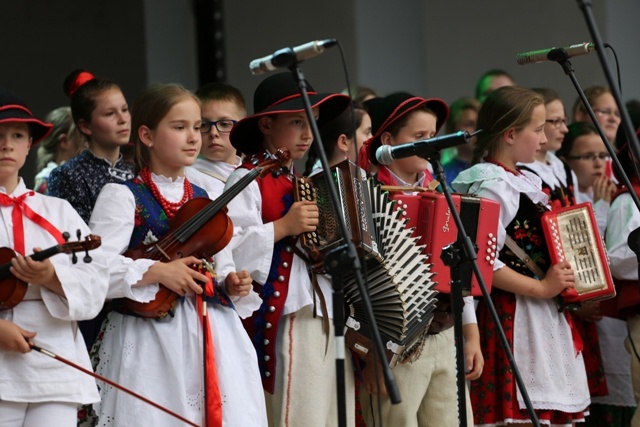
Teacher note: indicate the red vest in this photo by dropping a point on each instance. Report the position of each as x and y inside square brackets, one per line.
[262, 326]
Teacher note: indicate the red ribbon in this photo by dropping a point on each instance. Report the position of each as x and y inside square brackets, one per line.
[213, 401]
[20, 207]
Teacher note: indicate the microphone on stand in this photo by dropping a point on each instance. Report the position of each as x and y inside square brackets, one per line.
[386, 154]
[283, 58]
[554, 54]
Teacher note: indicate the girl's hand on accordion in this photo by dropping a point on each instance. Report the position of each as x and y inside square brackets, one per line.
[301, 218]
[559, 277]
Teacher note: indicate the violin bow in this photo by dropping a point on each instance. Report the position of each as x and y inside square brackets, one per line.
[108, 381]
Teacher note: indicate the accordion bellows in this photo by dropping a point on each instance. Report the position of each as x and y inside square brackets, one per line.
[398, 277]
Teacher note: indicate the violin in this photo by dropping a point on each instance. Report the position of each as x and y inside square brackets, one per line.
[12, 289]
[202, 228]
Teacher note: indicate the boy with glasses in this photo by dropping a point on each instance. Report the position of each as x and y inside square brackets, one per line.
[222, 107]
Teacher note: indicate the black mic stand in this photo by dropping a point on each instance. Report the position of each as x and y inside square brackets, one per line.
[338, 261]
[454, 256]
[634, 238]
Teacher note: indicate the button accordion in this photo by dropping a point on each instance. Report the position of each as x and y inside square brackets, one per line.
[428, 214]
[397, 275]
[572, 235]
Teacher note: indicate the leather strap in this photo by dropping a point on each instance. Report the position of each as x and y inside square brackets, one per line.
[316, 292]
[517, 251]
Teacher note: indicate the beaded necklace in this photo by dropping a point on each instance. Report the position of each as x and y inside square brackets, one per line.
[497, 163]
[170, 208]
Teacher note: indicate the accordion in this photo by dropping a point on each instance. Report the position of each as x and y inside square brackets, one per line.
[429, 216]
[397, 275]
[571, 235]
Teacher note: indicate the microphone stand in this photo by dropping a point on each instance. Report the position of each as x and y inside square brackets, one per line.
[454, 256]
[338, 261]
[634, 238]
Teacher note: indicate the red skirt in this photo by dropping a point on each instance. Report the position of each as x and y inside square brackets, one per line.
[493, 396]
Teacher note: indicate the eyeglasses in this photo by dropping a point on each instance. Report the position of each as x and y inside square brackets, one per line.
[557, 123]
[223, 126]
[607, 112]
[591, 156]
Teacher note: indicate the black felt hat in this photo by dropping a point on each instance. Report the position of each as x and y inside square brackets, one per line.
[279, 94]
[13, 109]
[386, 111]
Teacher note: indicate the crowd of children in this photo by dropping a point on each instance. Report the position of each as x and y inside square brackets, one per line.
[200, 297]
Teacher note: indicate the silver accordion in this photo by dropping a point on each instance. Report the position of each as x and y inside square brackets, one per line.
[398, 277]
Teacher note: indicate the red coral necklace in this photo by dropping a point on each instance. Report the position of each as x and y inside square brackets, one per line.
[170, 208]
[497, 163]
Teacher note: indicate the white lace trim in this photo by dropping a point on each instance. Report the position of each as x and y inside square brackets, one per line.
[468, 181]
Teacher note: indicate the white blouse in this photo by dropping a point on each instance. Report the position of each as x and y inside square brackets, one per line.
[34, 377]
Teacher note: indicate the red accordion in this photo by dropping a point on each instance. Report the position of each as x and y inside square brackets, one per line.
[429, 214]
[572, 235]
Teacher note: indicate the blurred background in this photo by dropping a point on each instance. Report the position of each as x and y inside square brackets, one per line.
[429, 48]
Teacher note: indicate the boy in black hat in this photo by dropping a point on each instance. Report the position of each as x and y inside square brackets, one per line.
[34, 389]
[295, 353]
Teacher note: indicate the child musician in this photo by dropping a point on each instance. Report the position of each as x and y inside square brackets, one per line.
[547, 350]
[163, 358]
[292, 331]
[427, 382]
[36, 390]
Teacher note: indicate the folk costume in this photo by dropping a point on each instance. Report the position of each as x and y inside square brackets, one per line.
[291, 331]
[162, 359]
[546, 348]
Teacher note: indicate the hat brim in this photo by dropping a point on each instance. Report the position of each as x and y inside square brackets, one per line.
[246, 136]
[38, 128]
[438, 106]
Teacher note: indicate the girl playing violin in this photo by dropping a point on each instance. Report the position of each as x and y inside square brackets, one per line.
[162, 358]
[36, 390]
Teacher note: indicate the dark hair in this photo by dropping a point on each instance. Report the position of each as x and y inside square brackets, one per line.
[149, 110]
[549, 95]
[83, 88]
[330, 132]
[456, 109]
[218, 91]
[633, 107]
[505, 108]
[576, 130]
[496, 72]
[591, 93]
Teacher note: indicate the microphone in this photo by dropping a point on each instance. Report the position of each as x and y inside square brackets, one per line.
[554, 54]
[386, 154]
[283, 58]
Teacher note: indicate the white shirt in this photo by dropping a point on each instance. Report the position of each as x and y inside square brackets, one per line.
[34, 377]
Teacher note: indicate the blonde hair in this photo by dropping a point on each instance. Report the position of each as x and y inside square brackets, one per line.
[149, 110]
[505, 108]
[62, 122]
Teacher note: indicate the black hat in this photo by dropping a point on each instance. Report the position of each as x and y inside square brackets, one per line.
[279, 94]
[386, 111]
[13, 109]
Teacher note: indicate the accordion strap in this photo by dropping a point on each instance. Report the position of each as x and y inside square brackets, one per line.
[316, 292]
[517, 250]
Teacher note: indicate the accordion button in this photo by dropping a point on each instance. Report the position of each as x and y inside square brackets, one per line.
[272, 309]
[267, 357]
[266, 342]
[285, 265]
[267, 374]
[280, 278]
[268, 325]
